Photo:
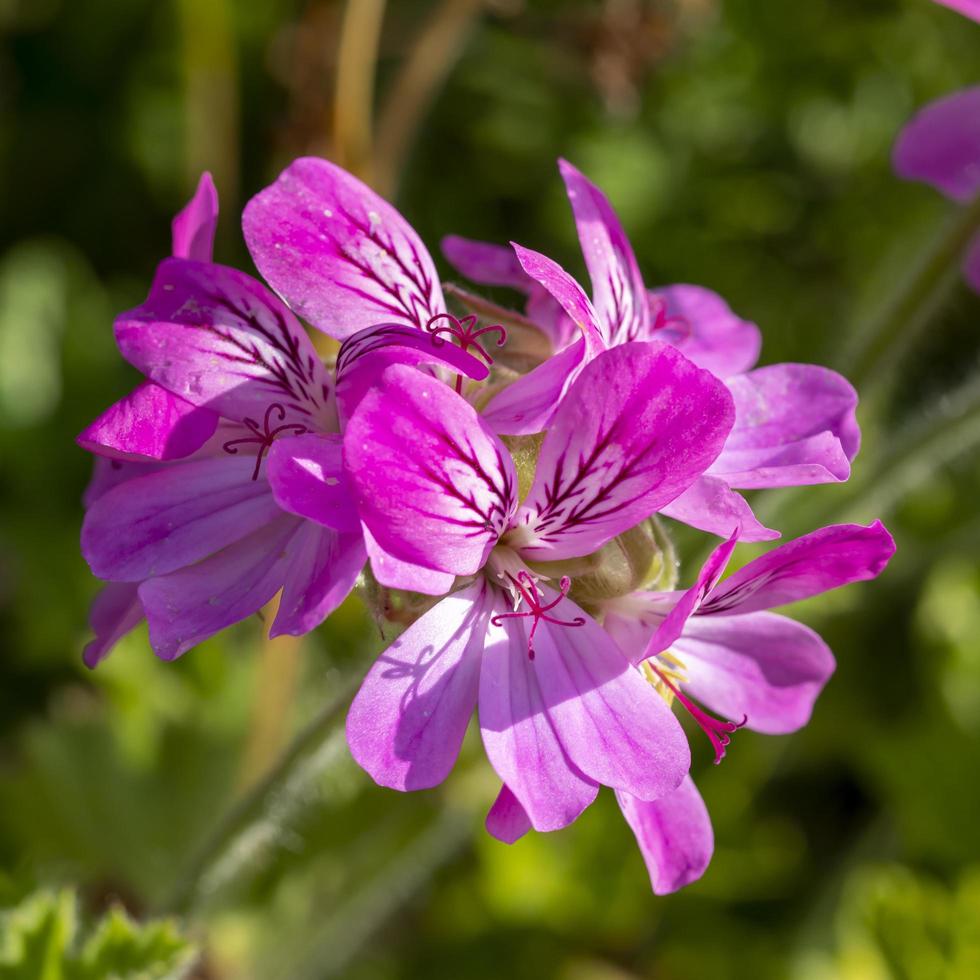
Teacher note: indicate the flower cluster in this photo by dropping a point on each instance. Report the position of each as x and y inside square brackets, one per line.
[493, 478]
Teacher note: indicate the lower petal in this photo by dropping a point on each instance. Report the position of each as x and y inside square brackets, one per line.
[674, 834]
[507, 820]
[711, 505]
[115, 611]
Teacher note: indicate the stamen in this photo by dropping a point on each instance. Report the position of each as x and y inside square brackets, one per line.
[264, 436]
[661, 320]
[464, 331]
[718, 731]
[526, 586]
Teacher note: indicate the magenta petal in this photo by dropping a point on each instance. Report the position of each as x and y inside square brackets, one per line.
[323, 568]
[968, 8]
[971, 265]
[396, 574]
[507, 820]
[115, 611]
[941, 145]
[618, 294]
[674, 834]
[306, 474]
[108, 473]
[173, 516]
[685, 603]
[483, 262]
[807, 566]
[568, 294]
[711, 505]
[194, 227]
[794, 425]
[189, 605]
[149, 423]
[434, 485]
[407, 722]
[221, 340]
[611, 723]
[637, 427]
[763, 667]
[518, 735]
[529, 404]
[700, 324]
[341, 256]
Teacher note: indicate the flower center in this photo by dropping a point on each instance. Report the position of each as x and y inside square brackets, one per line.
[465, 331]
[666, 678]
[529, 593]
[265, 436]
[680, 326]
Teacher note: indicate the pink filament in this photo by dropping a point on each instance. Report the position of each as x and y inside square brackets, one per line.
[718, 731]
[531, 595]
[464, 330]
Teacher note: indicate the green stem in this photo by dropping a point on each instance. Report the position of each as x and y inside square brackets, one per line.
[887, 335]
[254, 820]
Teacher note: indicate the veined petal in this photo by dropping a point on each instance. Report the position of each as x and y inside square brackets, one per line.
[941, 145]
[710, 504]
[185, 607]
[530, 403]
[174, 516]
[763, 667]
[307, 477]
[194, 227]
[507, 820]
[807, 566]
[618, 293]
[221, 340]
[341, 256]
[407, 722]
[396, 574]
[434, 485]
[150, 423]
[567, 293]
[518, 735]
[115, 611]
[700, 324]
[611, 723]
[794, 425]
[323, 569]
[637, 427]
[674, 834]
[486, 263]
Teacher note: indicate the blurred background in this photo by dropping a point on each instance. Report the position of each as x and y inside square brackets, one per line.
[746, 147]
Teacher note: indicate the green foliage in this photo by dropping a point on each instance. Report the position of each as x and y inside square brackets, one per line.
[40, 939]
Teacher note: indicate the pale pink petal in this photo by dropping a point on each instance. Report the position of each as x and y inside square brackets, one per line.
[341, 256]
[150, 423]
[611, 723]
[518, 735]
[507, 820]
[637, 427]
[194, 227]
[185, 607]
[941, 145]
[711, 505]
[529, 404]
[171, 517]
[407, 722]
[435, 486]
[674, 834]
[968, 8]
[794, 425]
[323, 569]
[807, 566]
[485, 263]
[395, 574]
[307, 478]
[221, 340]
[700, 324]
[763, 667]
[115, 611]
[618, 293]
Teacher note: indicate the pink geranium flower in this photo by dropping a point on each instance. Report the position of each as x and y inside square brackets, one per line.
[562, 710]
[794, 423]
